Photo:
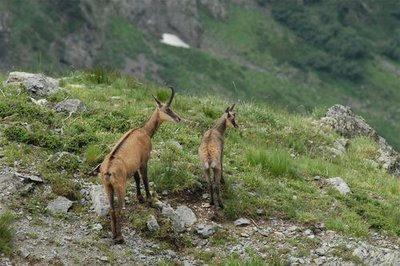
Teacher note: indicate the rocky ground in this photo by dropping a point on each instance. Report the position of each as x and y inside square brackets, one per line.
[70, 238]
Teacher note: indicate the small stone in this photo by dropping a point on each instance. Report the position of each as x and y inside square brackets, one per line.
[167, 211]
[260, 212]
[205, 231]
[308, 232]
[339, 184]
[24, 252]
[152, 224]
[70, 106]
[186, 215]
[242, 222]
[244, 235]
[60, 204]
[206, 205]
[32, 178]
[97, 227]
[103, 258]
[170, 253]
[205, 196]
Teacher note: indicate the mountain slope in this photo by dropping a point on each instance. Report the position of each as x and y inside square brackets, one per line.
[297, 54]
[276, 166]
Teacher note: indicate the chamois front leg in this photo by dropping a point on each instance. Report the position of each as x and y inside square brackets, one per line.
[120, 190]
[138, 192]
[110, 194]
[143, 173]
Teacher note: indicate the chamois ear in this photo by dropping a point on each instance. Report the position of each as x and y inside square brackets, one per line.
[157, 101]
[231, 108]
[227, 110]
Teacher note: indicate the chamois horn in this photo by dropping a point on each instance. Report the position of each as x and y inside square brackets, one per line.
[172, 95]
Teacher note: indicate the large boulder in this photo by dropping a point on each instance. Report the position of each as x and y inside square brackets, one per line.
[36, 84]
[342, 120]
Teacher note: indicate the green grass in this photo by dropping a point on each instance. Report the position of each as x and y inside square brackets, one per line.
[6, 232]
[269, 162]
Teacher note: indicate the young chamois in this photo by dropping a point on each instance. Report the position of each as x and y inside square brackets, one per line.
[211, 153]
[129, 157]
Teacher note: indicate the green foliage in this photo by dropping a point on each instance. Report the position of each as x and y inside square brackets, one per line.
[6, 232]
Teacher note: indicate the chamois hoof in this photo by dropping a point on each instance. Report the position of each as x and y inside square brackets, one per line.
[140, 199]
[119, 240]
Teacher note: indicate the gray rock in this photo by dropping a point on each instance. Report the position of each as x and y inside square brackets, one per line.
[205, 230]
[23, 252]
[260, 212]
[37, 84]
[70, 106]
[170, 253]
[60, 204]
[177, 224]
[167, 211]
[33, 178]
[152, 224]
[99, 200]
[339, 184]
[40, 102]
[186, 215]
[242, 222]
[342, 120]
[97, 227]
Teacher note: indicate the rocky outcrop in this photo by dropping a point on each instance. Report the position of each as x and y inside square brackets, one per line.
[36, 84]
[342, 120]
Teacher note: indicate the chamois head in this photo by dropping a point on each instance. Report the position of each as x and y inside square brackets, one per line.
[165, 112]
[230, 117]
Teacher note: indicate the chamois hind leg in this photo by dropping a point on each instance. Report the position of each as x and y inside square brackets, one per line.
[110, 193]
[207, 176]
[120, 190]
[138, 193]
[217, 187]
[143, 173]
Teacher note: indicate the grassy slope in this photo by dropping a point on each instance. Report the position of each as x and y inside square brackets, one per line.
[270, 161]
[254, 51]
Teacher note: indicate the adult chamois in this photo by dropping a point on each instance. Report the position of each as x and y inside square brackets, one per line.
[129, 157]
[211, 153]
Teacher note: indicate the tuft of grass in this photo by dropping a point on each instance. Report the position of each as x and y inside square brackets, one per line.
[6, 232]
[277, 162]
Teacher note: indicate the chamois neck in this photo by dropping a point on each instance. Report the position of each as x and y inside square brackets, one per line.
[152, 124]
[220, 125]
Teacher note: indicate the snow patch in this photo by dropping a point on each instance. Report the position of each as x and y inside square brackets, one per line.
[173, 40]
